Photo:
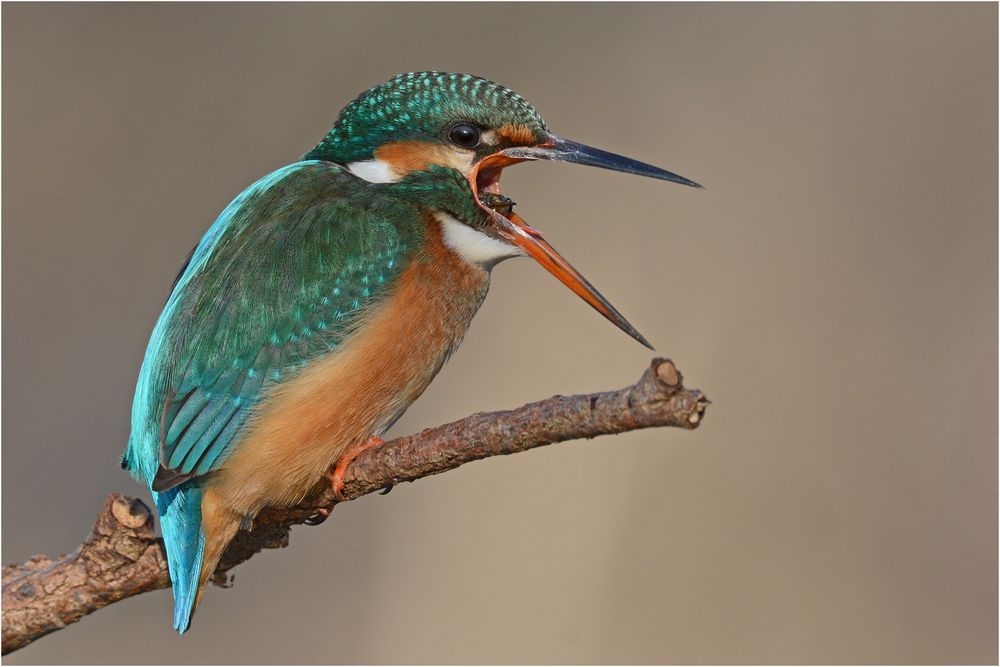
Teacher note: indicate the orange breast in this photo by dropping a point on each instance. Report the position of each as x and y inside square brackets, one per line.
[341, 399]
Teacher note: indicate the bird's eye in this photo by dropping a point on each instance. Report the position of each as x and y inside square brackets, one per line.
[464, 135]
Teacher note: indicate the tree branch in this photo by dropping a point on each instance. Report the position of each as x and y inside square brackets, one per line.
[122, 557]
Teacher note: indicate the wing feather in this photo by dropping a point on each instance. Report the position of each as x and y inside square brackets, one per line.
[279, 280]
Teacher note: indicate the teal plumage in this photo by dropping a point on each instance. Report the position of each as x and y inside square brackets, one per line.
[274, 283]
[277, 280]
[180, 522]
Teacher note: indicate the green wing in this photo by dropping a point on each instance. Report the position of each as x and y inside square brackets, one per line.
[278, 280]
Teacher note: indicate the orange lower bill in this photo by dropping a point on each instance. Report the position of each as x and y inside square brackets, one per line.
[514, 229]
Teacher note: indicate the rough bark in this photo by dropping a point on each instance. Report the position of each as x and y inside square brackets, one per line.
[123, 557]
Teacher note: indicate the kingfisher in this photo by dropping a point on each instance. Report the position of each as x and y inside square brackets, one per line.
[326, 297]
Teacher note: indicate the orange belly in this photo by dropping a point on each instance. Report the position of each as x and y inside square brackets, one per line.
[357, 391]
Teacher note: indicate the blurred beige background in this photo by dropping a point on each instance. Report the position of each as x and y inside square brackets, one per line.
[834, 292]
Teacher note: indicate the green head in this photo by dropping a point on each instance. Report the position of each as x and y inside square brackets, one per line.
[430, 133]
[425, 107]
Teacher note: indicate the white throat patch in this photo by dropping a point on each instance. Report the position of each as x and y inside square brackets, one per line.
[473, 246]
[373, 171]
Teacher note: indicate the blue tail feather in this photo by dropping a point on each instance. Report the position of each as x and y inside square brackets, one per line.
[180, 522]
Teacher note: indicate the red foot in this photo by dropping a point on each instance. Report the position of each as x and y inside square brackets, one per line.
[351, 453]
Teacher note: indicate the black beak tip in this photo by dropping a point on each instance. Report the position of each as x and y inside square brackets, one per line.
[631, 331]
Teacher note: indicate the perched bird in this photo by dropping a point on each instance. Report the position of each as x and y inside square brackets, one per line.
[325, 298]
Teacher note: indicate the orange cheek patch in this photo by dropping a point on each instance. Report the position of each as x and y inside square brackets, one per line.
[407, 156]
[517, 134]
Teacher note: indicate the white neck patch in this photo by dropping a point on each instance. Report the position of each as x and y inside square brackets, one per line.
[473, 246]
[373, 171]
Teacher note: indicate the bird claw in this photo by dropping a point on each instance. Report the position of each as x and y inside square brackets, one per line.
[337, 476]
[386, 490]
[321, 515]
[337, 480]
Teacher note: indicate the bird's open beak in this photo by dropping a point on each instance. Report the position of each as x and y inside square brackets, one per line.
[485, 179]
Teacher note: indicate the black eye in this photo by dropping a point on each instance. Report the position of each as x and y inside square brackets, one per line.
[464, 135]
